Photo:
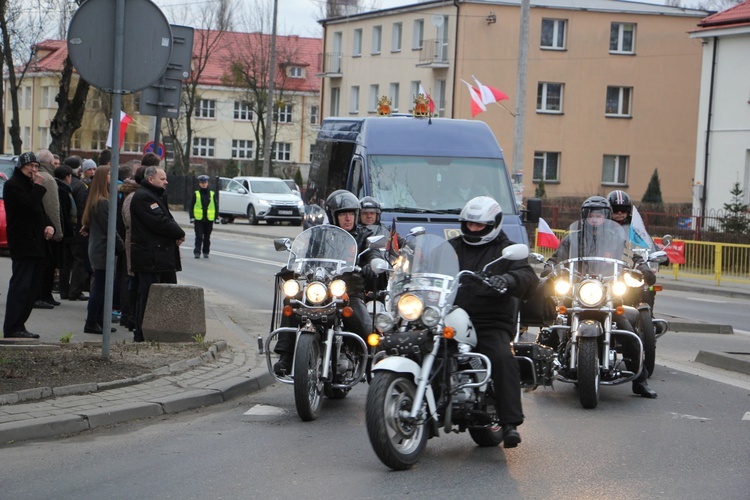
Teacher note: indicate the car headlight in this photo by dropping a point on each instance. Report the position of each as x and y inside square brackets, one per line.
[619, 288]
[591, 293]
[410, 307]
[290, 288]
[430, 316]
[301, 204]
[562, 287]
[384, 321]
[338, 288]
[261, 201]
[316, 293]
[632, 280]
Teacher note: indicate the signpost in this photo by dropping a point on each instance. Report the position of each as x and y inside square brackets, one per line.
[161, 151]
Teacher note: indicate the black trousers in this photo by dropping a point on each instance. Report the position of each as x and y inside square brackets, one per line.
[494, 342]
[65, 260]
[145, 280]
[203, 230]
[630, 348]
[78, 274]
[23, 291]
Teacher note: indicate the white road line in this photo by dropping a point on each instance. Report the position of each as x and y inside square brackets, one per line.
[706, 300]
[250, 259]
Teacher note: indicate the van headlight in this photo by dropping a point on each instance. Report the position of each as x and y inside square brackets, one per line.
[591, 293]
[316, 292]
[410, 307]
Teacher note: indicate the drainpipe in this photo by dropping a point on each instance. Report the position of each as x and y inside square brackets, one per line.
[704, 194]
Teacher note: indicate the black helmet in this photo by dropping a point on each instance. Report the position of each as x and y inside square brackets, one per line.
[341, 201]
[596, 204]
[370, 203]
[620, 202]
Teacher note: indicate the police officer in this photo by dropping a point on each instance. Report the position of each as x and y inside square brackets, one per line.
[203, 212]
[492, 313]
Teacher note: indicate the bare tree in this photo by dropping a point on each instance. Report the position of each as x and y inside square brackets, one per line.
[69, 114]
[712, 5]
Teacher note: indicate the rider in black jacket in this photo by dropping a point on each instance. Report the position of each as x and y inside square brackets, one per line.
[494, 314]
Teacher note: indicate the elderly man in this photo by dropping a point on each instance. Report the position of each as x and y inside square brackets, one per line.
[155, 240]
[51, 202]
[29, 229]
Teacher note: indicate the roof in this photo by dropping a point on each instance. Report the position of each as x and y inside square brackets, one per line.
[739, 15]
[230, 47]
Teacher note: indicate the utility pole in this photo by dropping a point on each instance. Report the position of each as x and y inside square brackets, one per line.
[520, 122]
[270, 90]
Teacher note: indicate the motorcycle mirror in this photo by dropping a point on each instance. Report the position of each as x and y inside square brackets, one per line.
[416, 231]
[379, 266]
[536, 257]
[666, 240]
[378, 242]
[660, 257]
[519, 251]
[281, 244]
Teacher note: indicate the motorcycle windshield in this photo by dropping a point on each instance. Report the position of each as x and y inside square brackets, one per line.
[323, 249]
[427, 266]
[596, 247]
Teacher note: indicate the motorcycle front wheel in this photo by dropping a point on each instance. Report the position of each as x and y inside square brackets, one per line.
[308, 366]
[397, 442]
[647, 332]
[588, 371]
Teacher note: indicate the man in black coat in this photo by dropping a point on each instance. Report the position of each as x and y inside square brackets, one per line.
[63, 250]
[155, 240]
[78, 275]
[29, 229]
[493, 310]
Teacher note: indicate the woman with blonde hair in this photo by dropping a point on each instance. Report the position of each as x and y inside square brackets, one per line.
[96, 223]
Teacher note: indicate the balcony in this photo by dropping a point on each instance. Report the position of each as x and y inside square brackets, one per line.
[434, 54]
[331, 64]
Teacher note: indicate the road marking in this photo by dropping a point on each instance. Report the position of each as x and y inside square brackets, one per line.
[249, 259]
[706, 300]
[265, 411]
[747, 416]
[688, 417]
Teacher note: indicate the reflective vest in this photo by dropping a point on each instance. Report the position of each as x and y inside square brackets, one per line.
[198, 208]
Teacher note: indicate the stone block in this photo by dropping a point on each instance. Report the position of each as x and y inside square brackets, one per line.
[174, 313]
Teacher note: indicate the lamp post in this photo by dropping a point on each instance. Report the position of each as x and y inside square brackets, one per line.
[269, 101]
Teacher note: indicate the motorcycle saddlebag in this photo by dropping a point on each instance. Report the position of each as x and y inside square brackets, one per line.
[535, 362]
[539, 309]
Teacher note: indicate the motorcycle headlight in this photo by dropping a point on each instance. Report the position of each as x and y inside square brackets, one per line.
[632, 280]
[562, 287]
[410, 307]
[338, 288]
[430, 316]
[591, 293]
[619, 288]
[290, 288]
[316, 293]
[384, 321]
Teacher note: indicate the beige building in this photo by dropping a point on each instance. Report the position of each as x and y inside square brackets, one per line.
[611, 91]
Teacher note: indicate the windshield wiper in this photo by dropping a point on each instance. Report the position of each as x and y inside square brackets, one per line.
[413, 210]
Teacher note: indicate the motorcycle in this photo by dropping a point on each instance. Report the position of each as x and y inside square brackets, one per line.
[425, 375]
[328, 361]
[589, 288]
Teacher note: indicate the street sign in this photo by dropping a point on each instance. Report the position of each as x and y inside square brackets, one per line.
[147, 45]
[161, 151]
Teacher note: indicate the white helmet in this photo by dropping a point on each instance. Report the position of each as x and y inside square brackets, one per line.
[481, 210]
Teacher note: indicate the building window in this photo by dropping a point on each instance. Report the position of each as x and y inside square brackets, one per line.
[396, 37]
[284, 113]
[295, 72]
[354, 99]
[414, 88]
[75, 141]
[243, 111]
[281, 151]
[335, 99]
[98, 140]
[242, 149]
[48, 97]
[622, 38]
[25, 98]
[439, 98]
[377, 36]
[546, 166]
[203, 147]
[393, 94]
[618, 101]
[314, 115]
[44, 137]
[357, 44]
[134, 143]
[372, 102]
[95, 102]
[615, 169]
[549, 97]
[418, 34]
[206, 108]
[312, 150]
[553, 33]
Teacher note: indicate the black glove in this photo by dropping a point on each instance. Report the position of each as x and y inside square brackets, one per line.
[649, 277]
[548, 267]
[502, 282]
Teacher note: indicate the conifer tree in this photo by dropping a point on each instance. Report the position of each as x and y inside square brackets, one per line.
[653, 191]
[736, 219]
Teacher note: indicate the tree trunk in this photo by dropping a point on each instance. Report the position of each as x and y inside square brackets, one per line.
[15, 129]
[69, 115]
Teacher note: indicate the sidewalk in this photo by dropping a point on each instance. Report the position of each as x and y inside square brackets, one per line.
[233, 367]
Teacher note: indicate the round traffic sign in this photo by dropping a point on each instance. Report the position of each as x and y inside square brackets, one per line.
[160, 151]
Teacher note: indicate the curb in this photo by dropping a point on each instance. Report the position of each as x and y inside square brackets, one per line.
[679, 287]
[675, 326]
[732, 361]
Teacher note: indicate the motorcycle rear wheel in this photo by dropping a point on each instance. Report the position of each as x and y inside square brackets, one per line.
[588, 371]
[308, 388]
[647, 332]
[398, 444]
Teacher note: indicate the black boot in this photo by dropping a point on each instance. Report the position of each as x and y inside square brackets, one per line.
[511, 437]
[643, 390]
[283, 365]
[92, 328]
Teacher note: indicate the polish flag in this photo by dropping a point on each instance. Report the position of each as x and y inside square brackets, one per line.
[124, 121]
[545, 237]
[477, 106]
[430, 102]
[490, 94]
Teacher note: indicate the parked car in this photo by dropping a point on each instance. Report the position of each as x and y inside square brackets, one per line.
[7, 164]
[257, 199]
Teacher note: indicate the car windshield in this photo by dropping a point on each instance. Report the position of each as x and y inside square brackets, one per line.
[273, 187]
[438, 183]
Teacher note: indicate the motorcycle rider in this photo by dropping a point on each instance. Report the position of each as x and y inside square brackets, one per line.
[342, 209]
[595, 211]
[492, 313]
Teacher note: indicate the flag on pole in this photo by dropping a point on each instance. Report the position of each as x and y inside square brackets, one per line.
[430, 102]
[545, 237]
[638, 235]
[124, 121]
[489, 94]
[477, 106]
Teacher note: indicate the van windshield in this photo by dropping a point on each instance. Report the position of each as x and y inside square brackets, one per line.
[438, 183]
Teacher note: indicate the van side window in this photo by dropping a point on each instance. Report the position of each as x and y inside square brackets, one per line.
[356, 182]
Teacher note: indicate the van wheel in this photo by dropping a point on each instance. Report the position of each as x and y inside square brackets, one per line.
[251, 218]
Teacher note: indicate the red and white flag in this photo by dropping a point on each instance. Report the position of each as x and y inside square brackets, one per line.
[124, 121]
[545, 237]
[477, 106]
[490, 94]
[430, 102]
